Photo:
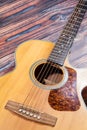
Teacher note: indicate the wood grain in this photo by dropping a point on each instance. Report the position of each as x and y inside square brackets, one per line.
[28, 19]
[17, 85]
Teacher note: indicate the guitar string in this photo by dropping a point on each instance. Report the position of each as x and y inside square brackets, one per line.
[57, 76]
[34, 87]
[44, 96]
[53, 68]
[38, 92]
[70, 35]
[48, 71]
[62, 51]
[35, 94]
[67, 41]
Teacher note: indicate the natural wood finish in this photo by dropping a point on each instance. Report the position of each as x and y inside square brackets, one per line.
[65, 98]
[16, 85]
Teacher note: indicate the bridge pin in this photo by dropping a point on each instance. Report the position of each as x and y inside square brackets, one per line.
[38, 117]
[31, 114]
[24, 111]
[27, 112]
[20, 110]
[34, 115]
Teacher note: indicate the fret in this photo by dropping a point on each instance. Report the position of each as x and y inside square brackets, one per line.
[72, 31]
[68, 32]
[72, 25]
[75, 21]
[59, 52]
[52, 58]
[59, 43]
[62, 46]
[82, 4]
[57, 61]
[79, 17]
[79, 11]
[64, 42]
[79, 8]
[67, 36]
[57, 58]
[61, 55]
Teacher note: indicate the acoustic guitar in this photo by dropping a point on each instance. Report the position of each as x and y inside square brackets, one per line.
[44, 91]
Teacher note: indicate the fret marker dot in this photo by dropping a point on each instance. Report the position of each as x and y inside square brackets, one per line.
[59, 51]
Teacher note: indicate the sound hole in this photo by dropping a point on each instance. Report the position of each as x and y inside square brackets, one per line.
[48, 73]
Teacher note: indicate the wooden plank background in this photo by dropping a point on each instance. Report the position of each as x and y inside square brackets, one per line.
[22, 20]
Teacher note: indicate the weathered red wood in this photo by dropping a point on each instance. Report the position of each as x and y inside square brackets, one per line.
[27, 19]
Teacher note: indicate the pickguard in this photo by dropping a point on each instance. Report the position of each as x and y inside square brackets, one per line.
[66, 97]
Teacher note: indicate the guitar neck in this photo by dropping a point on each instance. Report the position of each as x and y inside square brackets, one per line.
[65, 41]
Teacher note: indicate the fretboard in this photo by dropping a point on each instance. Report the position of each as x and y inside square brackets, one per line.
[65, 41]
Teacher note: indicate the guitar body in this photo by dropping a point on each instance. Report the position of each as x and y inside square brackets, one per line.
[16, 85]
